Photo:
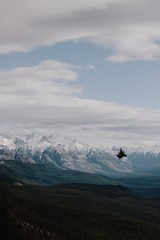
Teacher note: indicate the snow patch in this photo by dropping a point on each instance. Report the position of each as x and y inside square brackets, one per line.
[7, 143]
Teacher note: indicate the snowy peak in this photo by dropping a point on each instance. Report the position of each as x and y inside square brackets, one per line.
[7, 143]
[144, 149]
[41, 142]
[66, 141]
[33, 139]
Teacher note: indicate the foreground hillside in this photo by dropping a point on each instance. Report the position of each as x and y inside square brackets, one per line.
[76, 212]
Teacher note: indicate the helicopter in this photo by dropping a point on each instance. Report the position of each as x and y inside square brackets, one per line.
[121, 154]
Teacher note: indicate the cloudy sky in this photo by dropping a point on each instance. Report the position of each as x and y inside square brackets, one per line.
[88, 69]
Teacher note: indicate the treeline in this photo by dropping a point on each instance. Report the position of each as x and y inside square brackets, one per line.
[26, 215]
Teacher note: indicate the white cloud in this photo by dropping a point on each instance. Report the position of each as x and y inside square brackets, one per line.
[46, 97]
[129, 28]
[46, 84]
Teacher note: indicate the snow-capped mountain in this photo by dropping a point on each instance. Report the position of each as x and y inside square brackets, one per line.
[7, 143]
[66, 153]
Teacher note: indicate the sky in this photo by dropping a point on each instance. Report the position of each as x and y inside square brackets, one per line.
[87, 69]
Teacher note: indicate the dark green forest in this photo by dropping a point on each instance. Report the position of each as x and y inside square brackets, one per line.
[76, 212]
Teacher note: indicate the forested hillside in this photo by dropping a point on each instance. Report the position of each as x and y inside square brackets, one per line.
[76, 212]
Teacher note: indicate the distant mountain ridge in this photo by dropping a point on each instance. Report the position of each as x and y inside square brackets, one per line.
[66, 153]
[61, 151]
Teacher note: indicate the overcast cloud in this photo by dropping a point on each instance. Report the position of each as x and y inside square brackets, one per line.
[129, 28]
[45, 97]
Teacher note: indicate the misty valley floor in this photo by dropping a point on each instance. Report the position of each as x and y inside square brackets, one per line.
[76, 212]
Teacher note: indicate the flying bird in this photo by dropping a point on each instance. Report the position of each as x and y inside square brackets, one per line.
[121, 154]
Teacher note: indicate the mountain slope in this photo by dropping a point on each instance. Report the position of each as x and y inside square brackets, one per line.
[47, 174]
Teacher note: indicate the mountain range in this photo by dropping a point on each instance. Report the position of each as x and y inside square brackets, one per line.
[65, 153]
